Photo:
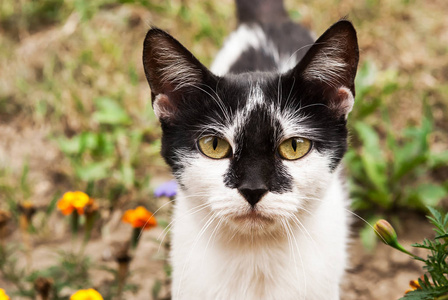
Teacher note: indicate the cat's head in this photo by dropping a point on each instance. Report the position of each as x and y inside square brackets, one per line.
[254, 149]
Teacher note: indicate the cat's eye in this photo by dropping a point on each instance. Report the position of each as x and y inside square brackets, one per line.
[294, 148]
[214, 147]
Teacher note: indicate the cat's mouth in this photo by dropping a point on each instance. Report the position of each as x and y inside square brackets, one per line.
[253, 215]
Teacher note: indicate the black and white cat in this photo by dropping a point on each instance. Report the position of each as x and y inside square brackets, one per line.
[255, 145]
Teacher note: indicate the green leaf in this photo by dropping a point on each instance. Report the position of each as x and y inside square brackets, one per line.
[443, 236]
[369, 137]
[379, 197]
[438, 159]
[373, 158]
[52, 205]
[408, 158]
[94, 171]
[435, 213]
[419, 295]
[156, 288]
[110, 112]
[127, 175]
[70, 146]
[429, 194]
[365, 79]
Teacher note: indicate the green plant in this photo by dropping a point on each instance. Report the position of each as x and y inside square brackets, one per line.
[389, 171]
[110, 154]
[434, 283]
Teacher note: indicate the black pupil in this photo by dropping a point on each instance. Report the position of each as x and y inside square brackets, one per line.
[294, 145]
[215, 143]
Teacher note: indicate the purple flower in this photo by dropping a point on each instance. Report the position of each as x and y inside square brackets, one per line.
[168, 189]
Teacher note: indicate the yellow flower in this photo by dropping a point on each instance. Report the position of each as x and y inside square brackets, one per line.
[73, 200]
[89, 294]
[140, 218]
[3, 295]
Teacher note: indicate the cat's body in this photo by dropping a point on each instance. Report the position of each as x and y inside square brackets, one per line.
[251, 221]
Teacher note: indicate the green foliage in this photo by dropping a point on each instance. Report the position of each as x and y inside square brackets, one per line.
[388, 168]
[9, 268]
[435, 281]
[30, 15]
[71, 271]
[111, 152]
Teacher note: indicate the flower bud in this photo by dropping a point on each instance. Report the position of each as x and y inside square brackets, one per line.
[43, 287]
[5, 217]
[385, 232]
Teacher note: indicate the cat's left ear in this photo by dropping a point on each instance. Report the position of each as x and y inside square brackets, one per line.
[172, 72]
[330, 66]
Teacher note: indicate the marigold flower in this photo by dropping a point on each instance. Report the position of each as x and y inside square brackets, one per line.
[3, 295]
[415, 285]
[140, 218]
[73, 200]
[89, 294]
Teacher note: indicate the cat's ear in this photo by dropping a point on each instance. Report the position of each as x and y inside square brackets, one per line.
[172, 73]
[330, 65]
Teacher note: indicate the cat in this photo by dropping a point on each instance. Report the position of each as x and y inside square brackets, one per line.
[255, 145]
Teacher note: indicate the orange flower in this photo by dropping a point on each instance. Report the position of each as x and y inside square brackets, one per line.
[414, 284]
[73, 200]
[139, 218]
[89, 294]
[3, 295]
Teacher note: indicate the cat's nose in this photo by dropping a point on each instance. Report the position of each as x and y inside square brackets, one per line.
[253, 193]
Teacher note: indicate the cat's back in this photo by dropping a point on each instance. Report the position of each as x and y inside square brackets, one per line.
[265, 40]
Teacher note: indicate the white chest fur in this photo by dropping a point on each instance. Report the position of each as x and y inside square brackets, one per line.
[307, 263]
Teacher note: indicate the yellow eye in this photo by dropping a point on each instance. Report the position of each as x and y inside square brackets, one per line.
[214, 147]
[294, 148]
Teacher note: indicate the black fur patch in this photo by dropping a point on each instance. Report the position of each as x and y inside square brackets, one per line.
[205, 104]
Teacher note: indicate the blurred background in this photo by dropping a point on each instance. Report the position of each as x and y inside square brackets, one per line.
[75, 115]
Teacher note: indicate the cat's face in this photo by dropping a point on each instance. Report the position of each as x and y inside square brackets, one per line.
[255, 150]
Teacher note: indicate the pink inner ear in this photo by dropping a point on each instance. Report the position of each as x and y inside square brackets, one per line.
[163, 108]
[343, 102]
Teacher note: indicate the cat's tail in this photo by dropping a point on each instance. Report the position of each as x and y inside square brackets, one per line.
[261, 11]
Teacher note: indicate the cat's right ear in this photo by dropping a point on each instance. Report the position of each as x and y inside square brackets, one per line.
[172, 73]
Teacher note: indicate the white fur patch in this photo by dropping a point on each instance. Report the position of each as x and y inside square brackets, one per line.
[239, 41]
[256, 97]
[244, 38]
[214, 256]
